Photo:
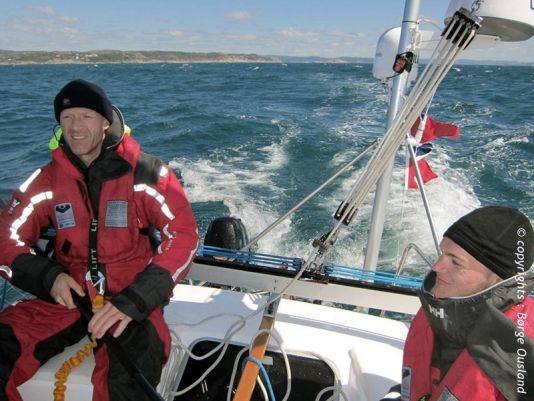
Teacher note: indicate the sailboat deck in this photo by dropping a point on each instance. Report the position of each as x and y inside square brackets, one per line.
[365, 350]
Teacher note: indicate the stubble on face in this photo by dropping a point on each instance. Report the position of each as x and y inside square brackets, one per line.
[84, 131]
[459, 274]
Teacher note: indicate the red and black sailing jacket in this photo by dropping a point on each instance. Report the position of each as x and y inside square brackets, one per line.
[497, 355]
[134, 191]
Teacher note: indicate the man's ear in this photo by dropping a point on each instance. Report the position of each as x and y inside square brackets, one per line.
[106, 125]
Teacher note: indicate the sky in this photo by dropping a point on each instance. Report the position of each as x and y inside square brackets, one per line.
[327, 28]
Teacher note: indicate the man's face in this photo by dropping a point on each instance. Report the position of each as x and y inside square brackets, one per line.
[84, 132]
[459, 274]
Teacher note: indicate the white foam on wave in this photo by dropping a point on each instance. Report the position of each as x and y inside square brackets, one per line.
[517, 169]
[288, 129]
[355, 130]
[235, 181]
[450, 196]
[499, 142]
[274, 158]
[211, 181]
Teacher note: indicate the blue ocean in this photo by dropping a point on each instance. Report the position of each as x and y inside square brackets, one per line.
[251, 140]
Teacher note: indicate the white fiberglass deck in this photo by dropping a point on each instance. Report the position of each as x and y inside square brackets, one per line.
[366, 350]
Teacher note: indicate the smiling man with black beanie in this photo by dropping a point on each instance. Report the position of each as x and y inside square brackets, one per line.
[100, 194]
[80, 93]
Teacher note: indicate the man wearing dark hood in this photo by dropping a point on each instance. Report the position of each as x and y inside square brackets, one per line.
[472, 338]
[101, 194]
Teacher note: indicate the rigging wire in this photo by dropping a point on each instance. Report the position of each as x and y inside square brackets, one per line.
[304, 200]
[410, 141]
[455, 39]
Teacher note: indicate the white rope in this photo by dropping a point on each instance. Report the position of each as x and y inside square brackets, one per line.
[232, 330]
[337, 392]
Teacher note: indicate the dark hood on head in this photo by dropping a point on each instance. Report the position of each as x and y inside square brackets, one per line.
[115, 132]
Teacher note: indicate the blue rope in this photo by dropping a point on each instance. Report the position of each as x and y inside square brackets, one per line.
[295, 264]
[263, 371]
[252, 257]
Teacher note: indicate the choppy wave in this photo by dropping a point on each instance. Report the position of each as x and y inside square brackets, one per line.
[251, 142]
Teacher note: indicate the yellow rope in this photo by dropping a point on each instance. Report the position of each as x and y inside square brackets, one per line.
[60, 386]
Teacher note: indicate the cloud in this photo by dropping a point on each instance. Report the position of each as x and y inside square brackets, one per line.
[242, 37]
[346, 35]
[68, 20]
[45, 27]
[238, 15]
[293, 33]
[71, 33]
[181, 37]
[176, 33]
[23, 26]
[43, 9]
[297, 41]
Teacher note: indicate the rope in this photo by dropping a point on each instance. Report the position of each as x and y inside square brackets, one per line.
[264, 373]
[234, 328]
[62, 374]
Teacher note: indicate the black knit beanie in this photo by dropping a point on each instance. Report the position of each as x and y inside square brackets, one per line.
[501, 238]
[80, 93]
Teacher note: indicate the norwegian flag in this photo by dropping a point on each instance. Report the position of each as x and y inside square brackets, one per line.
[423, 133]
[427, 174]
[434, 129]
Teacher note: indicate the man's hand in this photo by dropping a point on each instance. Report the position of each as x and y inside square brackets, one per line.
[60, 291]
[103, 319]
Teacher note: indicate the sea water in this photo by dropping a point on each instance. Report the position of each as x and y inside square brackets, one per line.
[251, 140]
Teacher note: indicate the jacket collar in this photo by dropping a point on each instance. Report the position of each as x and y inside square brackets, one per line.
[113, 161]
[452, 319]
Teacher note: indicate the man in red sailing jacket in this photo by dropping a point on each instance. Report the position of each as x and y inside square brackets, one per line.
[472, 338]
[101, 194]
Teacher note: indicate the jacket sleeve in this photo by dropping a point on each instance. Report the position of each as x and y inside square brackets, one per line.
[167, 209]
[21, 223]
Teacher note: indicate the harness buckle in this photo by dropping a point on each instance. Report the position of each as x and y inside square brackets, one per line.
[98, 286]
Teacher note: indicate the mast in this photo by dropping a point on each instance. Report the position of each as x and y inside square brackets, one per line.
[409, 22]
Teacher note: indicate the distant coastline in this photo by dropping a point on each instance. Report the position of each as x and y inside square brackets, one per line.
[125, 57]
[15, 57]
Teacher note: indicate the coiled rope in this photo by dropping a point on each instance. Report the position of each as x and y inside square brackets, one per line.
[62, 374]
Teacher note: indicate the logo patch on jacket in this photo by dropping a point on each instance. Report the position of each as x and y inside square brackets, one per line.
[13, 205]
[406, 383]
[117, 214]
[447, 396]
[64, 215]
[438, 312]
